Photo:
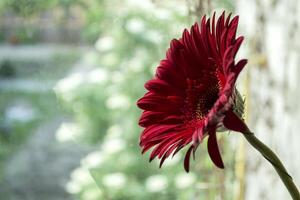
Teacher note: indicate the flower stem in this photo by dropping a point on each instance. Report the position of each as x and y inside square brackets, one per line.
[277, 164]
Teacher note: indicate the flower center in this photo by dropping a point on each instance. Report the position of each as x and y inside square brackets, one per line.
[200, 98]
[206, 101]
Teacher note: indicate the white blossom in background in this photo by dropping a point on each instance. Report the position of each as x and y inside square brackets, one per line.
[93, 159]
[69, 83]
[146, 4]
[114, 145]
[115, 180]
[92, 193]
[73, 187]
[66, 86]
[185, 180]
[98, 75]
[81, 176]
[105, 43]
[135, 26]
[156, 183]
[163, 14]
[68, 131]
[118, 101]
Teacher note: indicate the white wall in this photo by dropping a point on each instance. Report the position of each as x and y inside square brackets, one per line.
[272, 30]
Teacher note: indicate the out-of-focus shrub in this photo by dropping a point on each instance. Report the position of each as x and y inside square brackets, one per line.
[6, 69]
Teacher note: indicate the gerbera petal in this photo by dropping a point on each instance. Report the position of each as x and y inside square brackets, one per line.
[213, 149]
[212, 43]
[149, 117]
[219, 28]
[228, 19]
[239, 66]
[156, 130]
[171, 74]
[187, 159]
[237, 44]
[213, 24]
[204, 34]
[233, 122]
[232, 28]
[162, 87]
[198, 136]
[154, 102]
[196, 36]
[162, 147]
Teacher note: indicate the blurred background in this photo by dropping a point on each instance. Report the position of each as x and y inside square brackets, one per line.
[71, 72]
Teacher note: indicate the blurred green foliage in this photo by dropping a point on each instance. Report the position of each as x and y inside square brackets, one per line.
[25, 7]
[6, 69]
[14, 133]
[224, 4]
[41, 106]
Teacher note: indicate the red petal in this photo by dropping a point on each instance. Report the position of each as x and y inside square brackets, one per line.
[155, 102]
[233, 122]
[168, 153]
[239, 66]
[197, 136]
[162, 87]
[149, 117]
[213, 149]
[187, 159]
[171, 73]
[155, 130]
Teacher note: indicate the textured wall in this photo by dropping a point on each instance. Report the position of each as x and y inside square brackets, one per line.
[272, 28]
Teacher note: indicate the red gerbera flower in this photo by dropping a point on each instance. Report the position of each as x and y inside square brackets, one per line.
[193, 93]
